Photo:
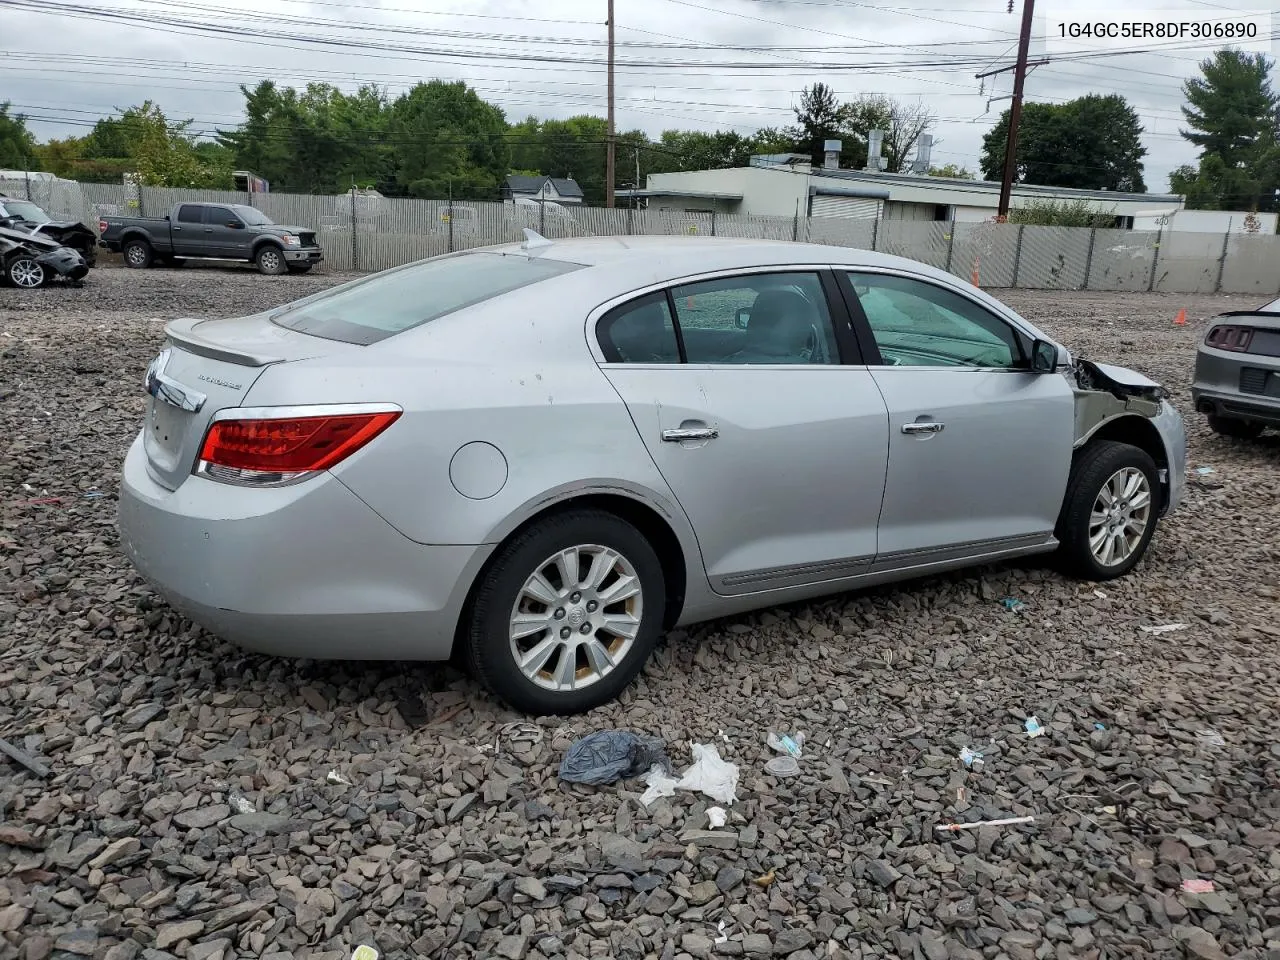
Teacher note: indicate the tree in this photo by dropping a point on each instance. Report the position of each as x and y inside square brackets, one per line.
[448, 142]
[17, 145]
[163, 152]
[1052, 213]
[1093, 142]
[903, 125]
[954, 171]
[1232, 113]
[819, 118]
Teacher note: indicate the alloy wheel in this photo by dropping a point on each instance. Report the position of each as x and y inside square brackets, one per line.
[26, 273]
[576, 617]
[1120, 516]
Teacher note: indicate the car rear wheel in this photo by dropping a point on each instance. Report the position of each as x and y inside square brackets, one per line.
[1111, 511]
[270, 261]
[568, 614]
[137, 254]
[1236, 429]
[25, 272]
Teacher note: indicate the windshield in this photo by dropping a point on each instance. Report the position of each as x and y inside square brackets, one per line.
[1272, 307]
[252, 216]
[26, 210]
[367, 311]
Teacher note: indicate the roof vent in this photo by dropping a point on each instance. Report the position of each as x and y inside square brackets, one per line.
[874, 139]
[831, 155]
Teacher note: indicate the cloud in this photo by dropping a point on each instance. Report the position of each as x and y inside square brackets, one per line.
[67, 70]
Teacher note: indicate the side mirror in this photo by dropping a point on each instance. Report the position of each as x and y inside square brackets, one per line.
[1044, 357]
[235, 224]
[742, 317]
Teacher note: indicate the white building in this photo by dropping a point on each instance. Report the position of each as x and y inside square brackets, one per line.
[553, 189]
[787, 185]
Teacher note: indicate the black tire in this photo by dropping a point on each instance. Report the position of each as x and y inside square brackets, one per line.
[24, 272]
[270, 260]
[486, 638]
[1236, 429]
[138, 254]
[1094, 468]
[299, 267]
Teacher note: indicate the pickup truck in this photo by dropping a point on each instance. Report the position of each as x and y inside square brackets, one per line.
[211, 231]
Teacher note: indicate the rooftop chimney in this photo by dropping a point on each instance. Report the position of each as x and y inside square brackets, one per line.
[831, 157]
[874, 139]
[923, 149]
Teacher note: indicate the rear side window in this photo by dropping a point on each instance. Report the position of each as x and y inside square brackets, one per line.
[190, 213]
[367, 311]
[639, 332]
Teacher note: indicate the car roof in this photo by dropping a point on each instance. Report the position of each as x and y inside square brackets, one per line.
[699, 254]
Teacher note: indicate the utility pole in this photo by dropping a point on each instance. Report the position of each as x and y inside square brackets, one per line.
[1015, 108]
[610, 145]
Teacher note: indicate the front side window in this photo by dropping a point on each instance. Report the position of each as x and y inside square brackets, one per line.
[251, 215]
[767, 318]
[370, 310]
[919, 324]
[221, 216]
[639, 332]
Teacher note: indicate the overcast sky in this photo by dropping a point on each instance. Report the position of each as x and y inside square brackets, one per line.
[68, 67]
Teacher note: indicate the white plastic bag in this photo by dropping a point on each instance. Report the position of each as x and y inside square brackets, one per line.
[715, 777]
[660, 784]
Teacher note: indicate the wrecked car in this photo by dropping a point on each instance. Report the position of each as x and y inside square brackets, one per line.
[31, 218]
[30, 260]
[538, 457]
[1237, 375]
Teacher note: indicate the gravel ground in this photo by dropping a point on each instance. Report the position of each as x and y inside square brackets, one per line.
[190, 809]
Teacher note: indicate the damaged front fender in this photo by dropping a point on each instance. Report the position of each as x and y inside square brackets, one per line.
[1106, 395]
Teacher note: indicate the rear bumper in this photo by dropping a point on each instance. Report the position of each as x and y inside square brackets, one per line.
[1245, 386]
[300, 571]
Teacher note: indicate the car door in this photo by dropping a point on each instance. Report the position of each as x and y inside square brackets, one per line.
[226, 233]
[979, 445]
[187, 231]
[775, 449]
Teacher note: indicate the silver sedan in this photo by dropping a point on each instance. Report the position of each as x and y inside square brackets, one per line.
[538, 457]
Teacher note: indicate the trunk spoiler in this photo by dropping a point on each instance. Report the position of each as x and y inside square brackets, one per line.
[182, 332]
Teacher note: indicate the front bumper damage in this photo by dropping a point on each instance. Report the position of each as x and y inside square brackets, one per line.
[65, 262]
[1105, 394]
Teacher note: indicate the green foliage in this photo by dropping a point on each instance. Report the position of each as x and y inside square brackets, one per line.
[17, 145]
[1065, 213]
[954, 171]
[450, 142]
[1093, 142]
[1232, 112]
[164, 153]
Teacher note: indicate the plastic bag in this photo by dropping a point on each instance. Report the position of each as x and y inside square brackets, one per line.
[610, 755]
[661, 784]
[715, 777]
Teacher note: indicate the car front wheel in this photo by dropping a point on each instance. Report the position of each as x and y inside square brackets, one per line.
[1111, 510]
[1236, 429]
[25, 272]
[270, 260]
[567, 615]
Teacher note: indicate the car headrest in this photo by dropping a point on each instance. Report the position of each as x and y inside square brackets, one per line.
[781, 322]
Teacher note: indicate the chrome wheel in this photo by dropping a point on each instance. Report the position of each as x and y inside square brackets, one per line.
[136, 255]
[269, 260]
[1120, 516]
[26, 273]
[576, 618]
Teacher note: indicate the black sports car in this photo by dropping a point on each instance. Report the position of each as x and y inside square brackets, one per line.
[30, 260]
[29, 217]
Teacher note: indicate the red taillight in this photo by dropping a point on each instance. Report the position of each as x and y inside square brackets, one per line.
[293, 445]
[102, 226]
[1229, 338]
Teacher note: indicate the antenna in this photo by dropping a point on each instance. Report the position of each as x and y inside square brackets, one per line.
[534, 241]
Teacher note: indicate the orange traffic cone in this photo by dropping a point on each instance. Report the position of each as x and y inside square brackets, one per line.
[1181, 319]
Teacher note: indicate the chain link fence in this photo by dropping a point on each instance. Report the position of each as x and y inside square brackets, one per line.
[365, 232]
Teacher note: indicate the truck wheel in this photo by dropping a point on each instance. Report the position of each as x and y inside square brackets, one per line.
[270, 260]
[137, 254]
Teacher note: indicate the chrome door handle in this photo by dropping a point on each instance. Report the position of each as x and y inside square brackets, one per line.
[690, 433]
[931, 426]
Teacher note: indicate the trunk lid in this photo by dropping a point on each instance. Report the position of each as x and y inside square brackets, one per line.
[207, 366]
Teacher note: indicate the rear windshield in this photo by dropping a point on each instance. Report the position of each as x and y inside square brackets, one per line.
[370, 310]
